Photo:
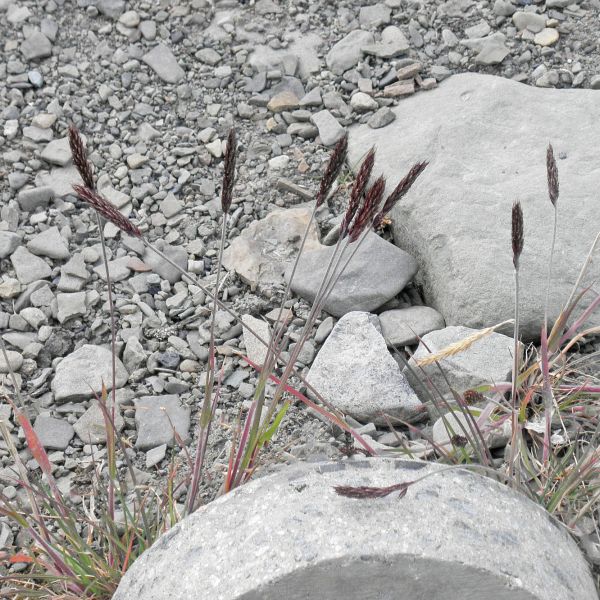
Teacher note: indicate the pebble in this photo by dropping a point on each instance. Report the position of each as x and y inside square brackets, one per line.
[384, 116]
[546, 37]
[163, 62]
[330, 131]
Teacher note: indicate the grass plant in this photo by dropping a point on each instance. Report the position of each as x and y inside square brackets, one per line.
[81, 546]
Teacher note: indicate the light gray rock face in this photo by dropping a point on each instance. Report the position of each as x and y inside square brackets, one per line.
[260, 254]
[28, 266]
[488, 360]
[377, 272]
[59, 181]
[82, 372]
[162, 61]
[54, 434]
[356, 373]
[456, 220]
[452, 535]
[401, 326]
[157, 417]
[91, 428]
[346, 53]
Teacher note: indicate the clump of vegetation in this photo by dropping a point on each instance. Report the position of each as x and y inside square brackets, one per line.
[82, 550]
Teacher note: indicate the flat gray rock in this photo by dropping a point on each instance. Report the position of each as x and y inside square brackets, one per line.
[29, 267]
[59, 181]
[163, 62]
[488, 360]
[452, 535]
[377, 272]
[260, 254]
[54, 434]
[456, 220]
[80, 374]
[57, 152]
[15, 361]
[256, 351]
[31, 198]
[70, 305]
[330, 130]
[346, 53]
[157, 417]
[401, 326]
[356, 373]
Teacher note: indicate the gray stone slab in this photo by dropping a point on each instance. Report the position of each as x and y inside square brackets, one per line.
[376, 272]
[80, 374]
[290, 536]
[486, 140]
[157, 417]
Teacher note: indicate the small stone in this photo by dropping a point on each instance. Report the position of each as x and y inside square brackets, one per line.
[312, 98]
[82, 373]
[595, 82]
[384, 116]
[29, 267]
[529, 20]
[10, 288]
[49, 243]
[171, 206]
[166, 271]
[355, 346]
[362, 102]
[323, 330]
[403, 326]
[215, 148]
[54, 434]
[15, 361]
[401, 88]
[285, 100]
[91, 426]
[70, 306]
[57, 152]
[373, 16]
[256, 351]
[35, 46]
[208, 56]
[279, 163]
[157, 417]
[136, 160]
[155, 455]
[111, 8]
[346, 53]
[478, 31]
[546, 37]
[32, 198]
[162, 61]
[503, 8]
[148, 30]
[8, 243]
[130, 18]
[330, 131]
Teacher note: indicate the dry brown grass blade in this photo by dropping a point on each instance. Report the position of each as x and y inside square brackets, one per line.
[460, 346]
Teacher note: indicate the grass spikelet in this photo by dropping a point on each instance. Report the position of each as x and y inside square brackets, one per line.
[80, 160]
[229, 171]
[105, 208]
[334, 166]
[460, 346]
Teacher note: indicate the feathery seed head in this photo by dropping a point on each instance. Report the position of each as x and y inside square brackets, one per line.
[358, 190]
[367, 212]
[82, 164]
[228, 171]
[334, 166]
[517, 232]
[106, 209]
[552, 173]
[400, 191]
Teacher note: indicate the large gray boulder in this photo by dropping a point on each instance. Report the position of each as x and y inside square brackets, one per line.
[289, 536]
[486, 139]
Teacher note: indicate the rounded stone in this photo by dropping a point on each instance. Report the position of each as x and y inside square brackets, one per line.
[454, 534]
